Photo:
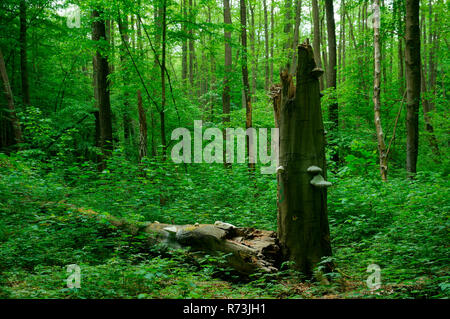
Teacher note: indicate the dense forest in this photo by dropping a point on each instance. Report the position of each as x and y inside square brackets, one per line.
[116, 180]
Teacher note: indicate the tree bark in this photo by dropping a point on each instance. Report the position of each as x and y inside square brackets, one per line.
[333, 112]
[226, 100]
[316, 42]
[163, 80]
[272, 39]
[298, 13]
[184, 49]
[191, 48]
[303, 228]
[23, 52]
[412, 57]
[10, 98]
[266, 46]
[376, 91]
[127, 127]
[247, 94]
[142, 128]
[102, 87]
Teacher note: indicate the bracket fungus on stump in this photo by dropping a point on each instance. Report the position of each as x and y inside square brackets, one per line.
[303, 229]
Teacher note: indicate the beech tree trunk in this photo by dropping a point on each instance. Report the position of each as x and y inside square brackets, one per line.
[412, 57]
[10, 98]
[376, 91]
[142, 128]
[333, 112]
[127, 127]
[184, 49]
[23, 52]
[102, 88]
[272, 39]
[316, 42]
[298, 13]
[191, 49]
[163, 81]
[303, 228]
[247, 94]
[226, 100]
[266, 43]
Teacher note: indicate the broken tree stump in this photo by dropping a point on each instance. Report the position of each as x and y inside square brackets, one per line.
[303, 229]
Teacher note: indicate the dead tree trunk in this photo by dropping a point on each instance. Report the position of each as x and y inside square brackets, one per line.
[303, 228]
[376, 91]
[248, 250]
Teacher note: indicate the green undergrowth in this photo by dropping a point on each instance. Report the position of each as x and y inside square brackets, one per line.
[401, 225]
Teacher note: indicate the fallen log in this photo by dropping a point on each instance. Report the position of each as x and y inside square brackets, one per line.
[248, 250]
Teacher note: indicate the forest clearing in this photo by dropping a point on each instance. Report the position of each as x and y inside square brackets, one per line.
[220, 149]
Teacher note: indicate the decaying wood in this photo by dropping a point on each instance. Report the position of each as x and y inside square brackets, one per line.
[248, 250]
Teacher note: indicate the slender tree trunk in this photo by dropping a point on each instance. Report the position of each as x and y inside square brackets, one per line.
[247, 94]
[324, 49]
[412, 57]
[272, 38]
[184, 48]
[331, 74]
[226, 100]
[127, 127]
[10, 98]
[376, 90]
[191, 48]
[252, 48]
[303, 229]
[316, 43]
[298, 13]
[266, 47]
[102, 87]
[142, 128]
[163, 80]
[23, 52]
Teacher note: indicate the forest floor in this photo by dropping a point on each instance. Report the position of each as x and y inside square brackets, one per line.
[401, 225]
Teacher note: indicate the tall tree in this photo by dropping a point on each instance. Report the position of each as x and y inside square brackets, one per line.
[226, 100]
[298, 14]
[331, 72]
[247, 94]
[184, 48]
[266, 47]
[316, 42]
[23, 52]
[127, 127]
[143, 144]
[10, 98]
[272, 39]
[163, 79]
[376, 91]
[102, 86]
[412, 58]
